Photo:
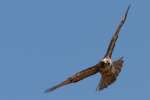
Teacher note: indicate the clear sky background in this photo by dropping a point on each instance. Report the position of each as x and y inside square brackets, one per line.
[42, 42]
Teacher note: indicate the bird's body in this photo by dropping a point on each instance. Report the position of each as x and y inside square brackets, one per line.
[108, 69]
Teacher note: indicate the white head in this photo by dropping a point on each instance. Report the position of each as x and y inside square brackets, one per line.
[107, 61]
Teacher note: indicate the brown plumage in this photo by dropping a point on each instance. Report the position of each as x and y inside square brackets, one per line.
[109, 70]
[109, 75]
[77, 77]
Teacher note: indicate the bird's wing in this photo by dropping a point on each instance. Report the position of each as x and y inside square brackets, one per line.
[77, 77]
[109, 76]
[115, 36]
[117, 66]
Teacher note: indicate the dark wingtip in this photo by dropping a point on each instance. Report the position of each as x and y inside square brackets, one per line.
[100, 88]
[53, 88]
[129, 6]
[46, 91]
[49, 90]
[57, 86]
[126, 13]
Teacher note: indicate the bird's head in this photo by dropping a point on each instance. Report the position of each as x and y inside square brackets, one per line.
[107, 61]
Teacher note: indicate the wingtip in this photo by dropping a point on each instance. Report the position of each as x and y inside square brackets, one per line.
[99, 89]
[126, 13]
[57, 86]
[129, 6]
[48, 90]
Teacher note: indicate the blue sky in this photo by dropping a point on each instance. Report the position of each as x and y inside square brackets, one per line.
[42, 42]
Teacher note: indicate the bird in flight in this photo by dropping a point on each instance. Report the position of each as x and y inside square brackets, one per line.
[108, 69]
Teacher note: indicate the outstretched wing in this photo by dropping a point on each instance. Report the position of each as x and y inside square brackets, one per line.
[117, 66]
[77, 77]
[115, 37]
[109, 76]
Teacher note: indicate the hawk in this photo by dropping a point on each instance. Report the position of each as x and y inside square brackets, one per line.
[108, 69]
